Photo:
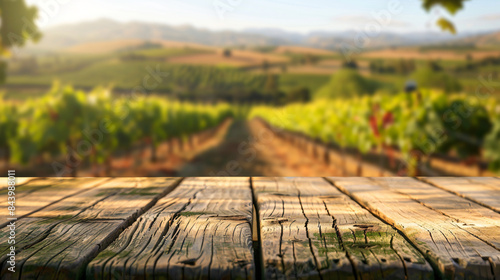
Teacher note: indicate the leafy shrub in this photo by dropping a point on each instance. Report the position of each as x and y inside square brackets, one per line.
[426, 77]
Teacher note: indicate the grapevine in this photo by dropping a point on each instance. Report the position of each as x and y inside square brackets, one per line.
[418, 125]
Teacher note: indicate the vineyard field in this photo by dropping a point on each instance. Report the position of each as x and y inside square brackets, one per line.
[415, 126]
[402, 134]
[79, 126]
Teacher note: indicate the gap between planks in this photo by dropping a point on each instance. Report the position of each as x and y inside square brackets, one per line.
[256, 236]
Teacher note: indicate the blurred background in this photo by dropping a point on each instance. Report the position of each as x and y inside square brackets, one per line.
[234, 88]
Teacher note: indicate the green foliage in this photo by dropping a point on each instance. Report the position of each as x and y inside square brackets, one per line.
[17, 24]
[95, 125]
[446, 25]
[474, 65]
[466, 125]
[492, 146]
[347, 83]
[51, 124]
[8, 125]
[184, 81]
[157, 54]
[402, 66]
[427, 123]
[351, 64]
[428, 78]
[146, 46]
[301, 94]
[303, 59]
[313, 82]
[264, 49]
[3, 71]
[16, 27]
[452, 6]
[227, 53]
[271, 85]
[456, 47]
[24, 65]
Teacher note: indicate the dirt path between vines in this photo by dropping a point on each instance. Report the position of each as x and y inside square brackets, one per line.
[249, 149]
[239, 148]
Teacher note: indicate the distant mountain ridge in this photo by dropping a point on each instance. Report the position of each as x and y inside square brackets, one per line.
[484, 40]
[104, 30]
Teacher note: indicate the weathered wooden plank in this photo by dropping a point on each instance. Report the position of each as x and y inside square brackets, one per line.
[310, 229]
[32, 184]
[34, 195]
[23, 180]
[288, 237]
[482, 190]
[471, 217]
[455, 251]
[201, 230]
[60, 240]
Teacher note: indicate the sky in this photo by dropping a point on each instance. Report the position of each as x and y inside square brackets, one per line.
[290, 15]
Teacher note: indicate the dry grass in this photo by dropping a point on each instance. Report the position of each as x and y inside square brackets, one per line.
[486, 40]
[331, 63]
[415, 53]
[176, 44]
[238, 58]
[104, 46]
[303, 50]
[115, 45]
[257, 56]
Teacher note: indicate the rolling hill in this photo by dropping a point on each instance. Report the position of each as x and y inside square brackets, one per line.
[69, 35]
[484, 40]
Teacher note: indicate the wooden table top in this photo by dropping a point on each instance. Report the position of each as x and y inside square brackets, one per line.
[253, 228]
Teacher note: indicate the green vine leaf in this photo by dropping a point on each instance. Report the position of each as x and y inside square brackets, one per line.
[452, 6]
[446, 25]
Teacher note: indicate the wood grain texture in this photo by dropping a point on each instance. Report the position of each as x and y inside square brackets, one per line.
[60, 240]
[36, 194]
[450, 244]
[471, 217]
[202, 230]
[23, 180]
[309, 229]
[482, 190]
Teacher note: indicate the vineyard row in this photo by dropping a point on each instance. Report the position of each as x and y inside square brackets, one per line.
[93, 126]
[412, 128]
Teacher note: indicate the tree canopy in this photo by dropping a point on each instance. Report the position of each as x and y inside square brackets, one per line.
[16, 28]
[17, 25]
